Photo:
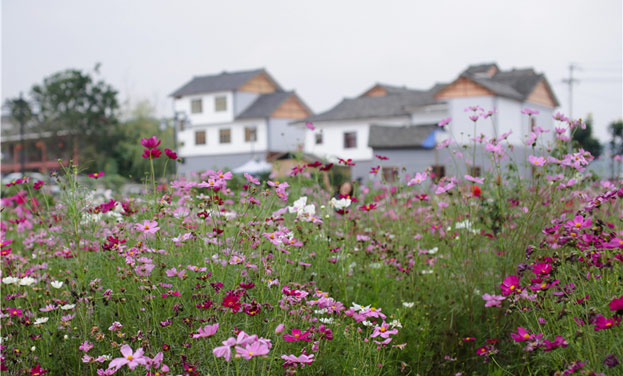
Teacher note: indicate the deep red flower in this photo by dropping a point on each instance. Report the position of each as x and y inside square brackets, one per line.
[232, 301]
[151, 153]
[476, 191]
[382, 157]
[326, 167]
[367, 207]
[38, 371]
[315, 164]
[38, 184]
[170, 153]
[150, 142]
[616, 304]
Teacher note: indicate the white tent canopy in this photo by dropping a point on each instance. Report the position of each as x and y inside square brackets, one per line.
[253, 166]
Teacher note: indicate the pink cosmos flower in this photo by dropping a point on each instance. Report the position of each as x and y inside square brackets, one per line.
[255, 349]
[579, 222]
[537, 161]
[225, 350]
[147, 227]
[251, 179]
[474, 179]
[383, 331]
[419, 178]
[558, 342]
[444, 122]
[529, 111]
[86, 346]
[493, 300]
[115, 326]
[130, 358]
[310, 125]
[206, 331]
[291, 360]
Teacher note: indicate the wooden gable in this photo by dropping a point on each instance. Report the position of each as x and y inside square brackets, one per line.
[261, 83]
[542, 94]
[463, 87]
[375, 91]
[291, 108]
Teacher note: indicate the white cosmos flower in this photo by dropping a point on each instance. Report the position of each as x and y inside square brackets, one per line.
[41, 320]
[367, 323]
[408, 304]
[302, 210]
[395, 324]
[57, 284]
[10, 280]
[340, 204]
[327, 320]
[357, 307]
[27, 281]
[433, 251]
[68, 307]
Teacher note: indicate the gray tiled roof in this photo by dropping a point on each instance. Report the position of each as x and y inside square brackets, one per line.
[220, 82]
[392, 137]
[391, 90]
[375, 107]
[265, 105]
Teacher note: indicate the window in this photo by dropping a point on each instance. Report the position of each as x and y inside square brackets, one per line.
[250, 134]
[196, 106]
[475, 171]
[318, 138]
[439, 171]
[350, 140]
[224, 136]
[200, 137]
[220, 104]
[390, 174]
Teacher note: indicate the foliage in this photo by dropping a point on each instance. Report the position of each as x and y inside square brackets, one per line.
[518, 277]
[583, 137]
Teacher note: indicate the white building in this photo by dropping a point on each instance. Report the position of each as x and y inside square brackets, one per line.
[235, 117]
[401, 123]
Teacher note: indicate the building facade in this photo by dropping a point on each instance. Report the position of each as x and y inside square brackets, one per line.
[235, 117]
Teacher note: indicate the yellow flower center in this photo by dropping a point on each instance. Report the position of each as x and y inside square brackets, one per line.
[220, 176]
[129, 357]
[609, 324]
[372, 309]
[543, 285]
[95, 175]
[382, 329]
[512, 287]
[146, 227]
[277, 182]
[297, 335]
[577, 224]
[272, 236]
[251, 353]
[526, 336]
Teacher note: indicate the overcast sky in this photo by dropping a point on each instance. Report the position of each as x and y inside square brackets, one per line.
[325, 50]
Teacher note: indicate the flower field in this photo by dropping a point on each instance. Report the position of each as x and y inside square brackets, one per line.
[238, 275]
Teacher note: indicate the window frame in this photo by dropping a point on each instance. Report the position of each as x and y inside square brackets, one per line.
[192, 105]
[354, 135]
[250, 130]
[221, 134]
[205, 138]
[217, 98]
[318, 137]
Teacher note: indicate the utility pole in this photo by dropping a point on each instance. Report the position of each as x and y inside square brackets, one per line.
[20, 111]
[571, 81]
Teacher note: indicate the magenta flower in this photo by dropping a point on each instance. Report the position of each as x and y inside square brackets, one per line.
[383, 331]
[297, 335]
[558, 342]
[151, 153]
[97, 175]
[206, 331]
[541, 268]
[150, 142]
[493, 300]
[310, 125]
[170, 153]
[616, 304]
[510, 285]
[579, 222]
[14, 312]
[474, 179]
[251, 179]
[602, 323]
[255, 349]
[521, 335]
[130, 358]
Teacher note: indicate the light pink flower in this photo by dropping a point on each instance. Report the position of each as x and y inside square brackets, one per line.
[206, 331]
[131, 359]
[255, 349]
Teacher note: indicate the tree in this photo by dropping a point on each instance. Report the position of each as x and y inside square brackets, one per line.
[72, 102]
[584, 138]
[616, 142]
[22, 113]
[141, 122]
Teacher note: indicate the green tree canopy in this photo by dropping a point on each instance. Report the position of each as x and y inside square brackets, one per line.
[584, 138]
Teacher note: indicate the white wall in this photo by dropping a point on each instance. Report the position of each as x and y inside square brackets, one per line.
[214, 147]
[208, 115]
[429, 114]
[333, 138]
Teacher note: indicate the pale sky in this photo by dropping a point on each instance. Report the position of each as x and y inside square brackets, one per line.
[325, 50]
